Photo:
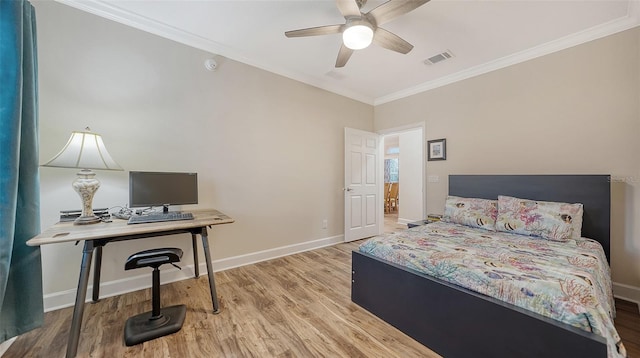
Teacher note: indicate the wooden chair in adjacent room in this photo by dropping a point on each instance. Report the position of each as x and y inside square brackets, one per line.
[385, 197]
[393, 196]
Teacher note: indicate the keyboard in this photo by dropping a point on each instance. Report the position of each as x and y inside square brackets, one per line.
[159, 217]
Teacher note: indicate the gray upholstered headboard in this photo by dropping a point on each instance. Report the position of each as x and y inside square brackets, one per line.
[593, 191]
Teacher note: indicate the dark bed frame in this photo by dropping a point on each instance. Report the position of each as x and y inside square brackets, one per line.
[456, 322]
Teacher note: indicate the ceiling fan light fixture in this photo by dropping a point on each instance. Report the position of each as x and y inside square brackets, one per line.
[361, 29]
[358, 36]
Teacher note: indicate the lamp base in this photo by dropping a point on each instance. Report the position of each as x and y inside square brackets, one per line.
[86, 185]
[84, 220]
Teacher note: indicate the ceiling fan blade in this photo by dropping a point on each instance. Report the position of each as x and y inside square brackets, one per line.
[348, 8]
[343, 56]
[394, 8]
[315, 31]
[391, 41]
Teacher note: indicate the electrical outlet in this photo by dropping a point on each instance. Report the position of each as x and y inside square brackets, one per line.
[324, 223]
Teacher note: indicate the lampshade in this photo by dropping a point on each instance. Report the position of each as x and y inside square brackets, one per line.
[84, 150]
[358, 36]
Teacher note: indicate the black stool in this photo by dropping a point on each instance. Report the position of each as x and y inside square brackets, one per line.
[157, 323]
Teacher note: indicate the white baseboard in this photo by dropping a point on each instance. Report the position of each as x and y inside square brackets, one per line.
[405, 221]
[627, 293]
[4, 346]
[62, 299]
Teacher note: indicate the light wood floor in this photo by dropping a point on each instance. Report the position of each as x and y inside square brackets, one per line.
[295, 306]
[391, 223]
[628, 326]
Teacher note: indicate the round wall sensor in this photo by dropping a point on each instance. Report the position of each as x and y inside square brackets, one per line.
[210, 64]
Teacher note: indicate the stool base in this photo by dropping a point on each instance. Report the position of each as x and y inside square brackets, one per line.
[141, 328]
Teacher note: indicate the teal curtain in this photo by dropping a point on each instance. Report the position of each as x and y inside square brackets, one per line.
[21, 306]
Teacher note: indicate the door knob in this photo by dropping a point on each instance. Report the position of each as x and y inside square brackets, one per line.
[347, 189]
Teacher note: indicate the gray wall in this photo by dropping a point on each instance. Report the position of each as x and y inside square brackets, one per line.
[571, 112]
[268, 150]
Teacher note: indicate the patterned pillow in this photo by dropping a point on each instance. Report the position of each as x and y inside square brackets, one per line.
[546, 219]
[480, 213]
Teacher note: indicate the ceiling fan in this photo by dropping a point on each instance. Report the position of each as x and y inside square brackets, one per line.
[360, 30]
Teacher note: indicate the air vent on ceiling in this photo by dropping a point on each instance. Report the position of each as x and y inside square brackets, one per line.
[438, 58]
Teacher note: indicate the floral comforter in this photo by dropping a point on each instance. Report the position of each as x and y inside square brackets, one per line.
[567, 281]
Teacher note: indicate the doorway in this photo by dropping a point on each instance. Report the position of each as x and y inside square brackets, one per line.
[403, 199]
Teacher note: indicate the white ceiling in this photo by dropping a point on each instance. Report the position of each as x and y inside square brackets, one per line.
[483, 35]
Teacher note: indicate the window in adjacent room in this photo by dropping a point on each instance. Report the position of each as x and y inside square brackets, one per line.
[391, 170]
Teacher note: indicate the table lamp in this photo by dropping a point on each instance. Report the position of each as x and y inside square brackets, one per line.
[85, 150]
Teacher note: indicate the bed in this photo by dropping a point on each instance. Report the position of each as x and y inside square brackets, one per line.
[458, 322]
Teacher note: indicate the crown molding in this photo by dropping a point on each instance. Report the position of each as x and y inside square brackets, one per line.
[112, 12]
[631, 20]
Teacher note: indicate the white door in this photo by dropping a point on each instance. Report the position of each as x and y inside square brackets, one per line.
[362, 188]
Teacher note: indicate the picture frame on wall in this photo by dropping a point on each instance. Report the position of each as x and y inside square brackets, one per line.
[437, 149]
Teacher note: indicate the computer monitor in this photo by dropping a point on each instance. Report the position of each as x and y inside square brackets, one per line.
[162, 189]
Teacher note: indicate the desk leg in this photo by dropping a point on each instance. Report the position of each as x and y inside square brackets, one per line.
[97, 265]
[212, 282]
[195, 255]
[78, 309]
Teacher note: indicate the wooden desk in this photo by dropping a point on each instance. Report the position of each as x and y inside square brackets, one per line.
[97, 235]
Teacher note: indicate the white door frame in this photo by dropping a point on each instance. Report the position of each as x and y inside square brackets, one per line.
[405, 128]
